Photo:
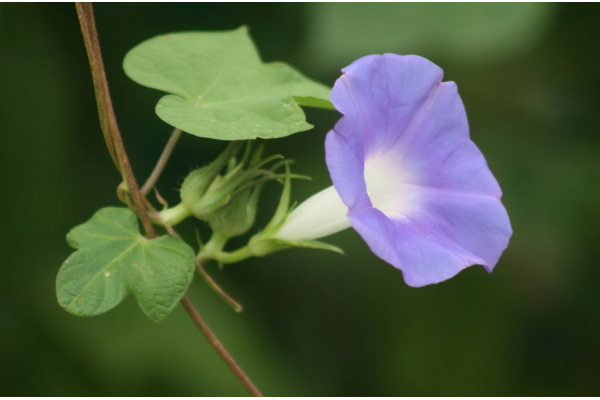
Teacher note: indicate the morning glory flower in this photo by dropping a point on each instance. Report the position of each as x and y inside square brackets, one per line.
[406, 175]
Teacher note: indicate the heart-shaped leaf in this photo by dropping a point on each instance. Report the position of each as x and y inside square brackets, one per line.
[220, 88]
[113, 259]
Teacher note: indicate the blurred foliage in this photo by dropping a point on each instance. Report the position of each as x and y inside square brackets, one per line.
[315, 323]
[467, 33]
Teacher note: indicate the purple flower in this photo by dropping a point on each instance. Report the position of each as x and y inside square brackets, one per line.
[406, 175]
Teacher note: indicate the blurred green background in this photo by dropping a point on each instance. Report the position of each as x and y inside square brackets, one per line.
[315, 323]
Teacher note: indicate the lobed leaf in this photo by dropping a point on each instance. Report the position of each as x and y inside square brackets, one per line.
[113, 259]
[219, 87]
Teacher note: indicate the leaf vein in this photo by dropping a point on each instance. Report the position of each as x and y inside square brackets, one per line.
[100, 273]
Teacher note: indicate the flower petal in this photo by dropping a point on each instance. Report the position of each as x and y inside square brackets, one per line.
[474, 226]
[438, 151]
[346, 168]
[450, 233]
[380, 95]
[380, 233]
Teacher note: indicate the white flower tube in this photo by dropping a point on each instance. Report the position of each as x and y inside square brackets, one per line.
[321, 215]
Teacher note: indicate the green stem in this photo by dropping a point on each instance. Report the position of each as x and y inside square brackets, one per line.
[171, 216]
[233, 257]
[213, 247]
[213, 250]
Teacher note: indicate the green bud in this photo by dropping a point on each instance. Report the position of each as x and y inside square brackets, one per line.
[199, 189]
[206, 192]
[212, 200]
[225, 193]
[237, 217]
[195, 185]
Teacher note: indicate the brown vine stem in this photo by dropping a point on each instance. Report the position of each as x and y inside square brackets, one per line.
[216, 343]
[237, 307]
[114, 142]
[162, 162]
[108, 121]
[92, 46]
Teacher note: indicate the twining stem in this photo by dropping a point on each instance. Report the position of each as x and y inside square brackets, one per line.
[216, 343]
[161, 163]
[116, 149]
[108, 121]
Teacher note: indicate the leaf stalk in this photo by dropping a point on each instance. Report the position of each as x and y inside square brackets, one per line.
[162, 162]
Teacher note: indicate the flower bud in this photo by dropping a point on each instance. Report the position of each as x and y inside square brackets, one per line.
[200, 189]
[237, 217]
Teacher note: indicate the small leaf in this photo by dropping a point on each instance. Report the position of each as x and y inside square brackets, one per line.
[220, 88]
[113, 259]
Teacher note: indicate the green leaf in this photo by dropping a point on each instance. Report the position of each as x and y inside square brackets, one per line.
[113, 259]
[220, 88]
[314, 102]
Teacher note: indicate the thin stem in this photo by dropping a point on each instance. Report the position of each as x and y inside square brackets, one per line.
[217, 289]
[161, 163]
[215, 244]
[218, 346]
[92, 47]
[108, 121]
[116, 149]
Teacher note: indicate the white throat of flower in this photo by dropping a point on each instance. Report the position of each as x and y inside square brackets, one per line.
[324, 213]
